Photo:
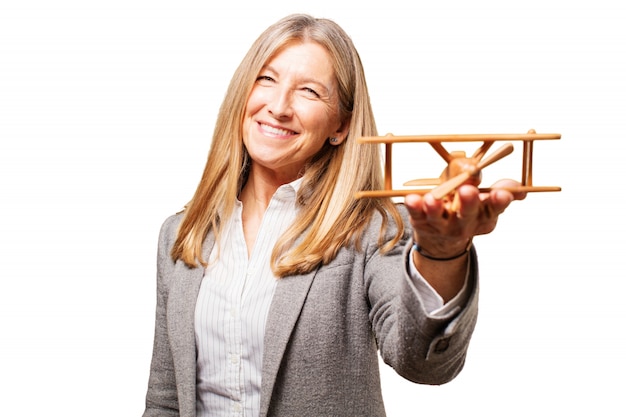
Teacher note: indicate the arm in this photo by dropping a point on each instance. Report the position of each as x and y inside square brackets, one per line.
[162, 396]
[422, 347]
[443, 234]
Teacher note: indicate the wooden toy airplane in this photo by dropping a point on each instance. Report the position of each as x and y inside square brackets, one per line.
[461, 169]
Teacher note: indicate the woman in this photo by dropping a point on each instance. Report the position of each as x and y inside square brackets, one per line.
[276, 288]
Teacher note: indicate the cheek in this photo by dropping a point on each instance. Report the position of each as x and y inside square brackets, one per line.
[250, 109]
[319, 119]
[256, 101]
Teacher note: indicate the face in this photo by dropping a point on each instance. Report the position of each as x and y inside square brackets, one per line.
[292, 110]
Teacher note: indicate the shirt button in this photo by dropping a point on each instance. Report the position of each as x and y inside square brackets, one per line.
[442, 345]
[237, 407]
[234, 358]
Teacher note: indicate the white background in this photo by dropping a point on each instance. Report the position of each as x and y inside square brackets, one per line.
[106, 112]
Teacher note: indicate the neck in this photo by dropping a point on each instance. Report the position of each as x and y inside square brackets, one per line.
[260, 187]
[256, 195]
[255, 198]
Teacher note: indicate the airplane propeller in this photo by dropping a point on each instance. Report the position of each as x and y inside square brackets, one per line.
[470, 168]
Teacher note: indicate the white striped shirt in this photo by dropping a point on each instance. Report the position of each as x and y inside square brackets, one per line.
[232, 308]
[231, 311]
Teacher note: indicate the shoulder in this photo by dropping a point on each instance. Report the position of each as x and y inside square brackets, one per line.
[168, 233]
[386, 233]
[169, 227]
[388, 223]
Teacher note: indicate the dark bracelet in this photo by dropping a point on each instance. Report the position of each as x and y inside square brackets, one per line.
[420, 250]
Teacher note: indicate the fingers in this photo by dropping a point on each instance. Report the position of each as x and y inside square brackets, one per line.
[424, 209]
[507, 183]
[429, 209]
[413, 203]
[500, 200]
[470, 213]
[469, 202]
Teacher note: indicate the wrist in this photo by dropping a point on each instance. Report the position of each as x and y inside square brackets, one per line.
[442, 255]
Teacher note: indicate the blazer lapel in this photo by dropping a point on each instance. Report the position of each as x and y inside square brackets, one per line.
[284, 311]
[181, 318]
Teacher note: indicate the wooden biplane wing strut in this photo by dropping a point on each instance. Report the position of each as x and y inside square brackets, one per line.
[460, 169]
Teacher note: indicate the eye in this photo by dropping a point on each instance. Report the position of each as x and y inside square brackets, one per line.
[264, 80]
[309, 90]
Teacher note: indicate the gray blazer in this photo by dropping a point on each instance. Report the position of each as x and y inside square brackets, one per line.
[323, 334]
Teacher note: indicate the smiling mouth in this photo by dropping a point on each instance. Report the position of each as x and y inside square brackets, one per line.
[274, 131]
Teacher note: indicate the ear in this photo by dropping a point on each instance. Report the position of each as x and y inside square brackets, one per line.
[342, 133]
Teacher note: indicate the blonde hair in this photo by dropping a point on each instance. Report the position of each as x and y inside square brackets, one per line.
[329, 216]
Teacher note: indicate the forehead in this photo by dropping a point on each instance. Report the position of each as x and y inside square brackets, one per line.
[307, 57]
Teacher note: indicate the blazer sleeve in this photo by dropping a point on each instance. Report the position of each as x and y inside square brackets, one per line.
[162, 397]
[422, 348]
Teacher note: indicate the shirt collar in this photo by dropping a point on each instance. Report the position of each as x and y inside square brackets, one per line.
[285, 192]
[288, 191]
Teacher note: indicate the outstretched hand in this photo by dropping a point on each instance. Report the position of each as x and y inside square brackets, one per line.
[444, 231]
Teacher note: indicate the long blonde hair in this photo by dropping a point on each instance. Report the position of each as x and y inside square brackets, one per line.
[329, 216]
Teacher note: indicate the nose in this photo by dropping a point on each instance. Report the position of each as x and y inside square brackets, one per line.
[280, 103]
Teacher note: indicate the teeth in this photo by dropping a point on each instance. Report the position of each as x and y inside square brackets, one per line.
[275, 131]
